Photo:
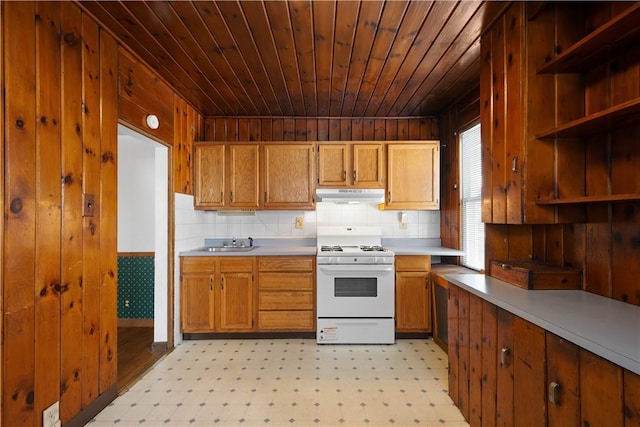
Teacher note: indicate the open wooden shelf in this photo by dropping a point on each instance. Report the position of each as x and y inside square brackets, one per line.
[604, 43]
[591, 199]
[626, 113]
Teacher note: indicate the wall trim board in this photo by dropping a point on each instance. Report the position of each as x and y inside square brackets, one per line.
[136, 254]
[88, 413]
[135, 323]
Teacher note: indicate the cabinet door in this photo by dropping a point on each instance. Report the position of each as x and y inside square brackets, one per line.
[368, 166]
[601, 391]
[332, 165]
[529, 389]
[413, 176]
[243, 180]
[209, 175]
[236, 301]
[504, 374]
[453, 305]
[197, 302]
[288, 176]
[563, 382]
[413, 311]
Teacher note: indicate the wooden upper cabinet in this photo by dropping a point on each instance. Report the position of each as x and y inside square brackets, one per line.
[413, 171]
[368, 165]
[333, 162]
[244, 172]
[351, 165]
[288, 176]
[209, 176]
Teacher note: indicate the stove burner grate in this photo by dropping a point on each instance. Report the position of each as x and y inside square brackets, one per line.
[335, 248]
[375, 248]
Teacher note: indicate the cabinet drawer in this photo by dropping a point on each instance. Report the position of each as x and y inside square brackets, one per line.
[413, 263]
[285, 263]
[283, 281]
[285, 300]
[243, 264]
[286, 320]
[536, 275]
[197, 264]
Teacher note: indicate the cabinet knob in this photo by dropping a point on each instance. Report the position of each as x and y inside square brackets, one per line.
[505, 355]
[554, 393]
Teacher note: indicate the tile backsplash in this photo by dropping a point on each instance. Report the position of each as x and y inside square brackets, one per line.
[195, 225]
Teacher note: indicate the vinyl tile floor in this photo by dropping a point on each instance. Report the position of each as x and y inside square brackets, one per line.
[290, 382]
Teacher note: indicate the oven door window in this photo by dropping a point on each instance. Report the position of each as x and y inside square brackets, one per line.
[355, 287]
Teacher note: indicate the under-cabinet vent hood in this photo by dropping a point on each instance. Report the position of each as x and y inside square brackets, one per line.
[350, 195]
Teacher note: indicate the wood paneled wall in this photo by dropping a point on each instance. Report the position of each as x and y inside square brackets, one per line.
[59, 266]
[188, 128]
[319, 129]
[142, 93]
[605, 244]
[459, 117]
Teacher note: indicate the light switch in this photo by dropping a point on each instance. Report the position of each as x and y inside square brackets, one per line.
[88, 202]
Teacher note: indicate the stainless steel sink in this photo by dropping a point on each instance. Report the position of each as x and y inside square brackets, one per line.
[228, 248]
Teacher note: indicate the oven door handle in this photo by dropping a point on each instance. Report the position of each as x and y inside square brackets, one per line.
[360, 268]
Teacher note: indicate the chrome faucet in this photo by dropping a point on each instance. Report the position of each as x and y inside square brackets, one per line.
[233, 242]
[251, 241]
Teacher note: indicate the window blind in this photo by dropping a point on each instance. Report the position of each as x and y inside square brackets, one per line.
[471, 192]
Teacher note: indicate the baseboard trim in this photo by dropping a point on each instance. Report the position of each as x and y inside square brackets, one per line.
[246, 335]
[159, 346]
[135, 323]
[94, 408]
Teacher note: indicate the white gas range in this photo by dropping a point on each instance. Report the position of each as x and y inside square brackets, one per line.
[355, 287]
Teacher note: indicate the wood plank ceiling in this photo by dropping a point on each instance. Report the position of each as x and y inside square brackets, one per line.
[339, 58]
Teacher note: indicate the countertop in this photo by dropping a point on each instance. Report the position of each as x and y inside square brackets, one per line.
[603, 326]
[307, 246]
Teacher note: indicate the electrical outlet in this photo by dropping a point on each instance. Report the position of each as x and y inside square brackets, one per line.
[299, 222]
[51, 416]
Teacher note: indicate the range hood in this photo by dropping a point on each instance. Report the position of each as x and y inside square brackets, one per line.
[350, 195]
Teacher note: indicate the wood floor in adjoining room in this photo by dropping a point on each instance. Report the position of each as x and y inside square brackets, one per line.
[135, 353]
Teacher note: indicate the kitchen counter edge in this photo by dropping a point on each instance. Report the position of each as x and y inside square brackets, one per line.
[603, 326]
[259, 251]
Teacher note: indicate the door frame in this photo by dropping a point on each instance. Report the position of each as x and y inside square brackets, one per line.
[170, 230]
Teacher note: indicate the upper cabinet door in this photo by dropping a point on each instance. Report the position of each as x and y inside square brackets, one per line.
[288, 176]
[368, 165]
[351, 165]
[333, 165]
[413, 176]
[209, 173]
[244, 170]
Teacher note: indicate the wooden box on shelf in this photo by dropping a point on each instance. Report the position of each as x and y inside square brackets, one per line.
[536, 275]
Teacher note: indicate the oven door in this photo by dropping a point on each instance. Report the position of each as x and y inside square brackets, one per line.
[348, 291]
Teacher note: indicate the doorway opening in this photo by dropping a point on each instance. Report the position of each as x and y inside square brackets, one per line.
[143, 253]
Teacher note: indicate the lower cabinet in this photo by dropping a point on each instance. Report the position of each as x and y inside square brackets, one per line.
[505, 371]
[217, 294]
[286, 294]
[413, 293]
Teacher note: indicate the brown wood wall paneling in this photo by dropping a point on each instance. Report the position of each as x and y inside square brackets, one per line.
[319, 129]
[188, 128]
[2, 201]
[458, 117]
[48, 143]
[61, 115]
[143, 93]
[20, 231]
[602, 242]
